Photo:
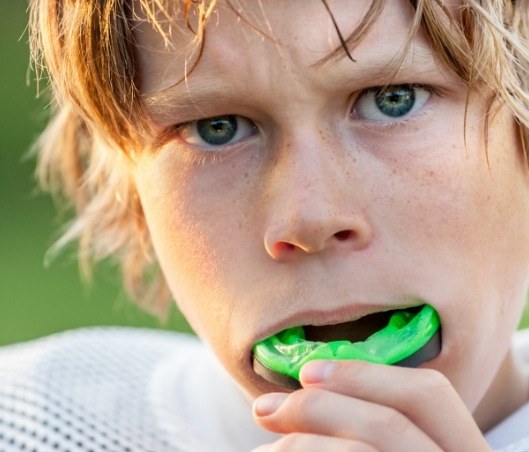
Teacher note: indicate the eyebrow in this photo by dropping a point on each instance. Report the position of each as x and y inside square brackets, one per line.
[420, 55]
[189, 98]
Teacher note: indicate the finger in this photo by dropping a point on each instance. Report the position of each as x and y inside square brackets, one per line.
[326, 413]
[305, 442]
[425, 396]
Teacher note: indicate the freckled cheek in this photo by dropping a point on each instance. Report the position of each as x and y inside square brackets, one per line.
[185, 256]
[452, 217]
[464, 215]
[464, 227]
[466, 219]
[443, 192]
[202, 235]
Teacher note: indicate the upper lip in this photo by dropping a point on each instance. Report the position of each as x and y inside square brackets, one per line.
[319, 317]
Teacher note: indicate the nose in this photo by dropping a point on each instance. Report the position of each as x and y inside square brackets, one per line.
[315, 207]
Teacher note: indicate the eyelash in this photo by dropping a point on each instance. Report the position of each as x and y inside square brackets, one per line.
[202, 158]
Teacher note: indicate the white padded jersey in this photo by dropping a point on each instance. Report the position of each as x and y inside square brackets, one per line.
[120, 389]
[138, 390]
[512, 435]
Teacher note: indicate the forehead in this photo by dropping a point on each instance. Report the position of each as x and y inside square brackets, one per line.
[294, 36]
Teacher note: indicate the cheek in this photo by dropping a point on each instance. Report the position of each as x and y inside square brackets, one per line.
[466, 225]
[462, 203]
[200, 227]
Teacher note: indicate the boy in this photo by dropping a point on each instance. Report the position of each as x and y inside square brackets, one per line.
[292, 164]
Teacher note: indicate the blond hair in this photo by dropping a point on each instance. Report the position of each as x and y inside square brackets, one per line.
[99, 123]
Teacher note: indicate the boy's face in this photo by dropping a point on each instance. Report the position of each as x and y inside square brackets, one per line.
[315, 201]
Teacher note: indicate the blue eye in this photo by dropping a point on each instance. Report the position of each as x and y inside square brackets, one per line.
[393, 102]
[396, 101]
[216, 131]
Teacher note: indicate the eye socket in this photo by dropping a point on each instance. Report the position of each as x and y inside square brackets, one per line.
[391, 103]
[216, 131]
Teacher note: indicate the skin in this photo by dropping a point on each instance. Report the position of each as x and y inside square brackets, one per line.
[319, 215]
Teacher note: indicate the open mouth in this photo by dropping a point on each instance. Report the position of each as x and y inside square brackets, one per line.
[405, 337]
[353, 331]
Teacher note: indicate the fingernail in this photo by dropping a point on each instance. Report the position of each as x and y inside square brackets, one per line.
[268, 403]
[317, 371]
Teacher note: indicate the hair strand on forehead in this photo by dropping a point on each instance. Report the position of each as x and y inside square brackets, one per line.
[356, 36]
[340, 37]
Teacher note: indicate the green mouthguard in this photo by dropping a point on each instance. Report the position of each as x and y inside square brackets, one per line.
[404, 335]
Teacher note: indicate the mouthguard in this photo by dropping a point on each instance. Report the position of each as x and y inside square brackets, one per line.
[410, 338]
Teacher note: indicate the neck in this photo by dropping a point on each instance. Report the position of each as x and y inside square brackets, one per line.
[508, 392]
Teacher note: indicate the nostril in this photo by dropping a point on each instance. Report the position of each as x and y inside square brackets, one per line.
[343, 235]
[279, 246]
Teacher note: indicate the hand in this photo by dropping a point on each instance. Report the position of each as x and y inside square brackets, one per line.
[359, 406]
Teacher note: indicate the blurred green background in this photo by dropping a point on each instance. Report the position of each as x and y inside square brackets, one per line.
[34, 300]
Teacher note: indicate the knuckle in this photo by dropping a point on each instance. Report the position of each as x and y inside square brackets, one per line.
[435, 381]
[353, 368]
[391, 420]
[305, 399]
[307, 404]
